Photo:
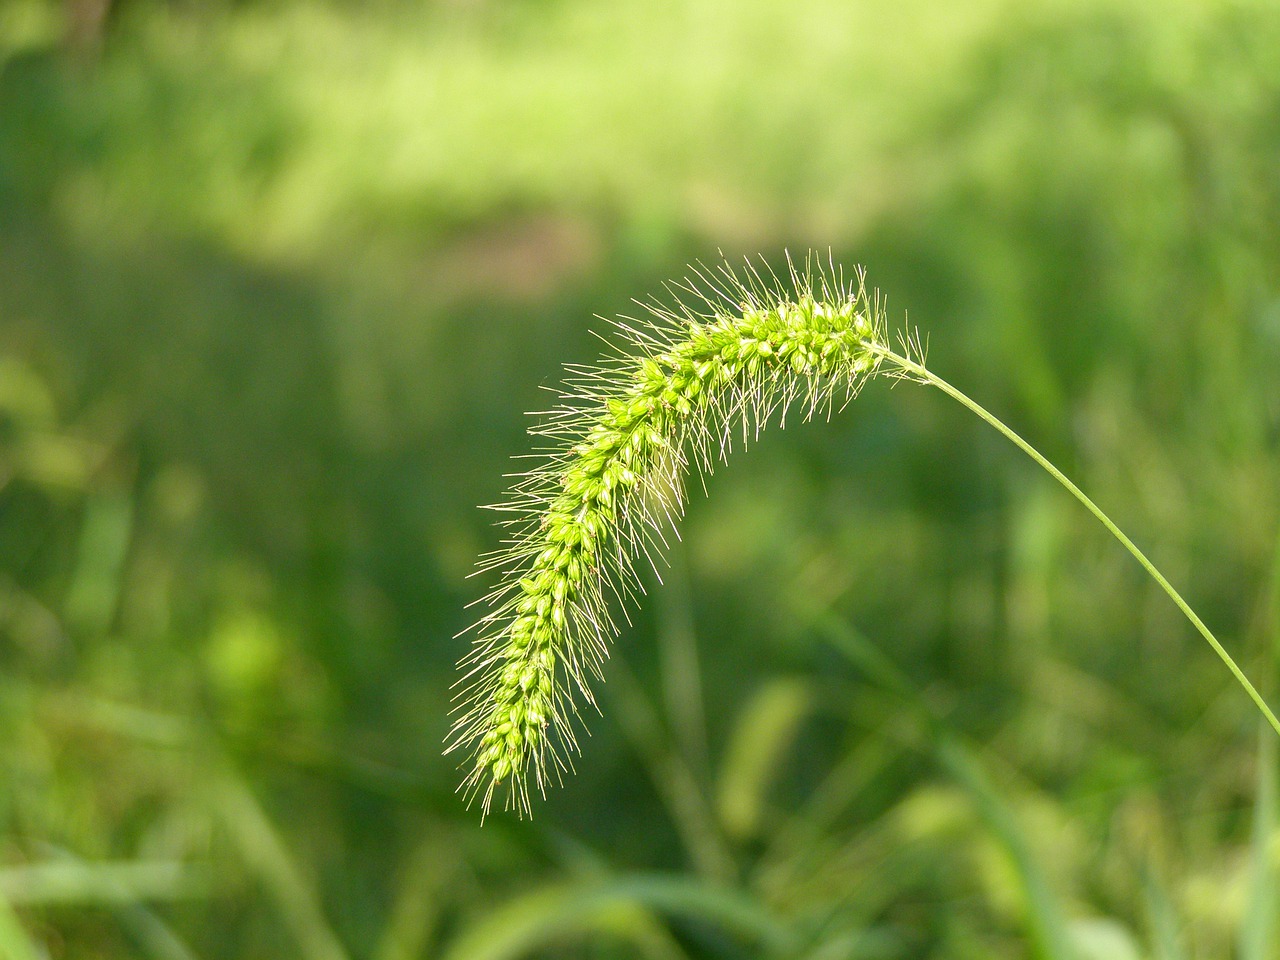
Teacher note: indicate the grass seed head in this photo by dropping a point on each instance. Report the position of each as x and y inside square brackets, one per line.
[727, 352]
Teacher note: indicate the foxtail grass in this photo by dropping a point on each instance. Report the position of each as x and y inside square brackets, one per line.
[728, 353]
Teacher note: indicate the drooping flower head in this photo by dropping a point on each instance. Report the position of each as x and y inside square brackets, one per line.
[720, 359]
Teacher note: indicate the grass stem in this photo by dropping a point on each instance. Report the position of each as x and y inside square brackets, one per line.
[918, 371]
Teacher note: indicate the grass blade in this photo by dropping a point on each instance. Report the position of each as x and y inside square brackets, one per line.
[563, 912]
[1166, 937]
[15, 944]
[767, 725]
[1258, 932]
[77, 882]
[264, 850]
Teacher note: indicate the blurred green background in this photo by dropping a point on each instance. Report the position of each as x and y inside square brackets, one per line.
[278, 280]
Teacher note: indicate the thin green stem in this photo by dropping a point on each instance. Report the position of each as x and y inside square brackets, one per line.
[919, 372]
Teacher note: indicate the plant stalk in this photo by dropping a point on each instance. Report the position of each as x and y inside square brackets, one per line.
[920, 372]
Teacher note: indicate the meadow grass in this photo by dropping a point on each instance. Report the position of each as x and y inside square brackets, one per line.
[303, 211]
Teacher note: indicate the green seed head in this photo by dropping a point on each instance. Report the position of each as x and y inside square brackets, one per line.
[721, 362]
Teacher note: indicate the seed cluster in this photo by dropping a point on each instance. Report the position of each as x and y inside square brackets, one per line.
[684, 383]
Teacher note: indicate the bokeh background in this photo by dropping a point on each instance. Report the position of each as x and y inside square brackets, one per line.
[278, 280]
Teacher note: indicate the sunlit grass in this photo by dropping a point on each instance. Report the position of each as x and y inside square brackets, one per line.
[302, 121]
[272, 278]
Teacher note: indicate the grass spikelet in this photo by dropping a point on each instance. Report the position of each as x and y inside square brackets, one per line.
[731, 352]
[726, 356]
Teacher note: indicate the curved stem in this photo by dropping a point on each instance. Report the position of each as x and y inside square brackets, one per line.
[919, 372]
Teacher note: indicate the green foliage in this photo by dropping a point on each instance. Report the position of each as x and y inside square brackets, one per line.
[274, 278]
